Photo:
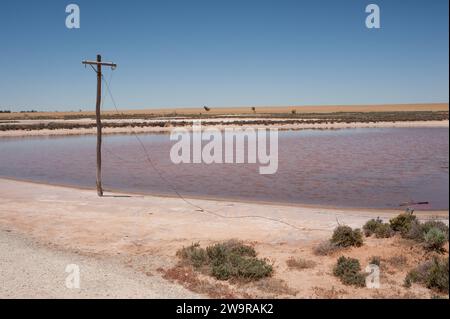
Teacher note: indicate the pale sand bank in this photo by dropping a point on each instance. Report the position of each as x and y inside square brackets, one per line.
[168, 129]
[29, 270]
[145, 233]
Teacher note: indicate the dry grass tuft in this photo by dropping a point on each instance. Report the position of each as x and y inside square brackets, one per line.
[300, 263]
[326, 248]
[397, 261]
[274, 286]
[186, 276]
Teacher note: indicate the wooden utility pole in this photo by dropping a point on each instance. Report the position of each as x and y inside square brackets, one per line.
[98, 69]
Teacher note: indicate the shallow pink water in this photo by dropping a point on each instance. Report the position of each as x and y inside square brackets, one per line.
[378, 168]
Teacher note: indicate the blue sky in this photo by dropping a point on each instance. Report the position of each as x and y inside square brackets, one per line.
[224, 53]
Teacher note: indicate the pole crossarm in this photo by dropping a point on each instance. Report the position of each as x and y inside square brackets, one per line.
[113, 65]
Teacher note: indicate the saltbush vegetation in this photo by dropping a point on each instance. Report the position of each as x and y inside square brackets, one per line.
[403, 222]
[371, 225]
[418, 229]
[227, 260]
[435, 224]
[348, 270]
[384, 230]
[435, 239]
[194, 254]
[377, 227]
[345, 236]
[433, 234]
[433, 274]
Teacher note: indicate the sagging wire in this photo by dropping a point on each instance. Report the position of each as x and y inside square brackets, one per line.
[179, 195]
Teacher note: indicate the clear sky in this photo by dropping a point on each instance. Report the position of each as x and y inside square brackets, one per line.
[224, 53]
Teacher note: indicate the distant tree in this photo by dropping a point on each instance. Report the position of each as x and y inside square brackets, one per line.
[31, 111]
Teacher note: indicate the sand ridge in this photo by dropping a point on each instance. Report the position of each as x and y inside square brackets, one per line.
[435, 107]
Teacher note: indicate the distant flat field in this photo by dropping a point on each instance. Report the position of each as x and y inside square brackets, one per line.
[239, 110]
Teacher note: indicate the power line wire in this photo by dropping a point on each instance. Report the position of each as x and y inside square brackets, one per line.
[173, 188]
[162, 177]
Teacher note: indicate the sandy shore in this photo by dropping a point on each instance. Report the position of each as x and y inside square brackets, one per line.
[143, 233]
[31, 270]
[150, 129]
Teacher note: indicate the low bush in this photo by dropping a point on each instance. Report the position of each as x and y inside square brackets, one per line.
[438, 275]
[227, 260]
[403, 223]
[435, 239]
[434, 274]
[415, 232]
[349, 272]
[240, 267]
[345, 236]
[435, 224]
[377, 227]
[418, 230]
[194, 255]
[221, 251]
[384, 231]
[371, 225]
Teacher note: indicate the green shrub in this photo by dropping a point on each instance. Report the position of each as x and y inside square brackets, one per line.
[435, 224]
[349, 272]
[371, 225]
[438, 275]
[237, 266]
[227, 260]
[416, 231]
[383, 231]
[403, 223]
[418, 274]
[194, 254]
[433, 274]
[435, 239]
[220, 252]
[233, 259]
[345, 236]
